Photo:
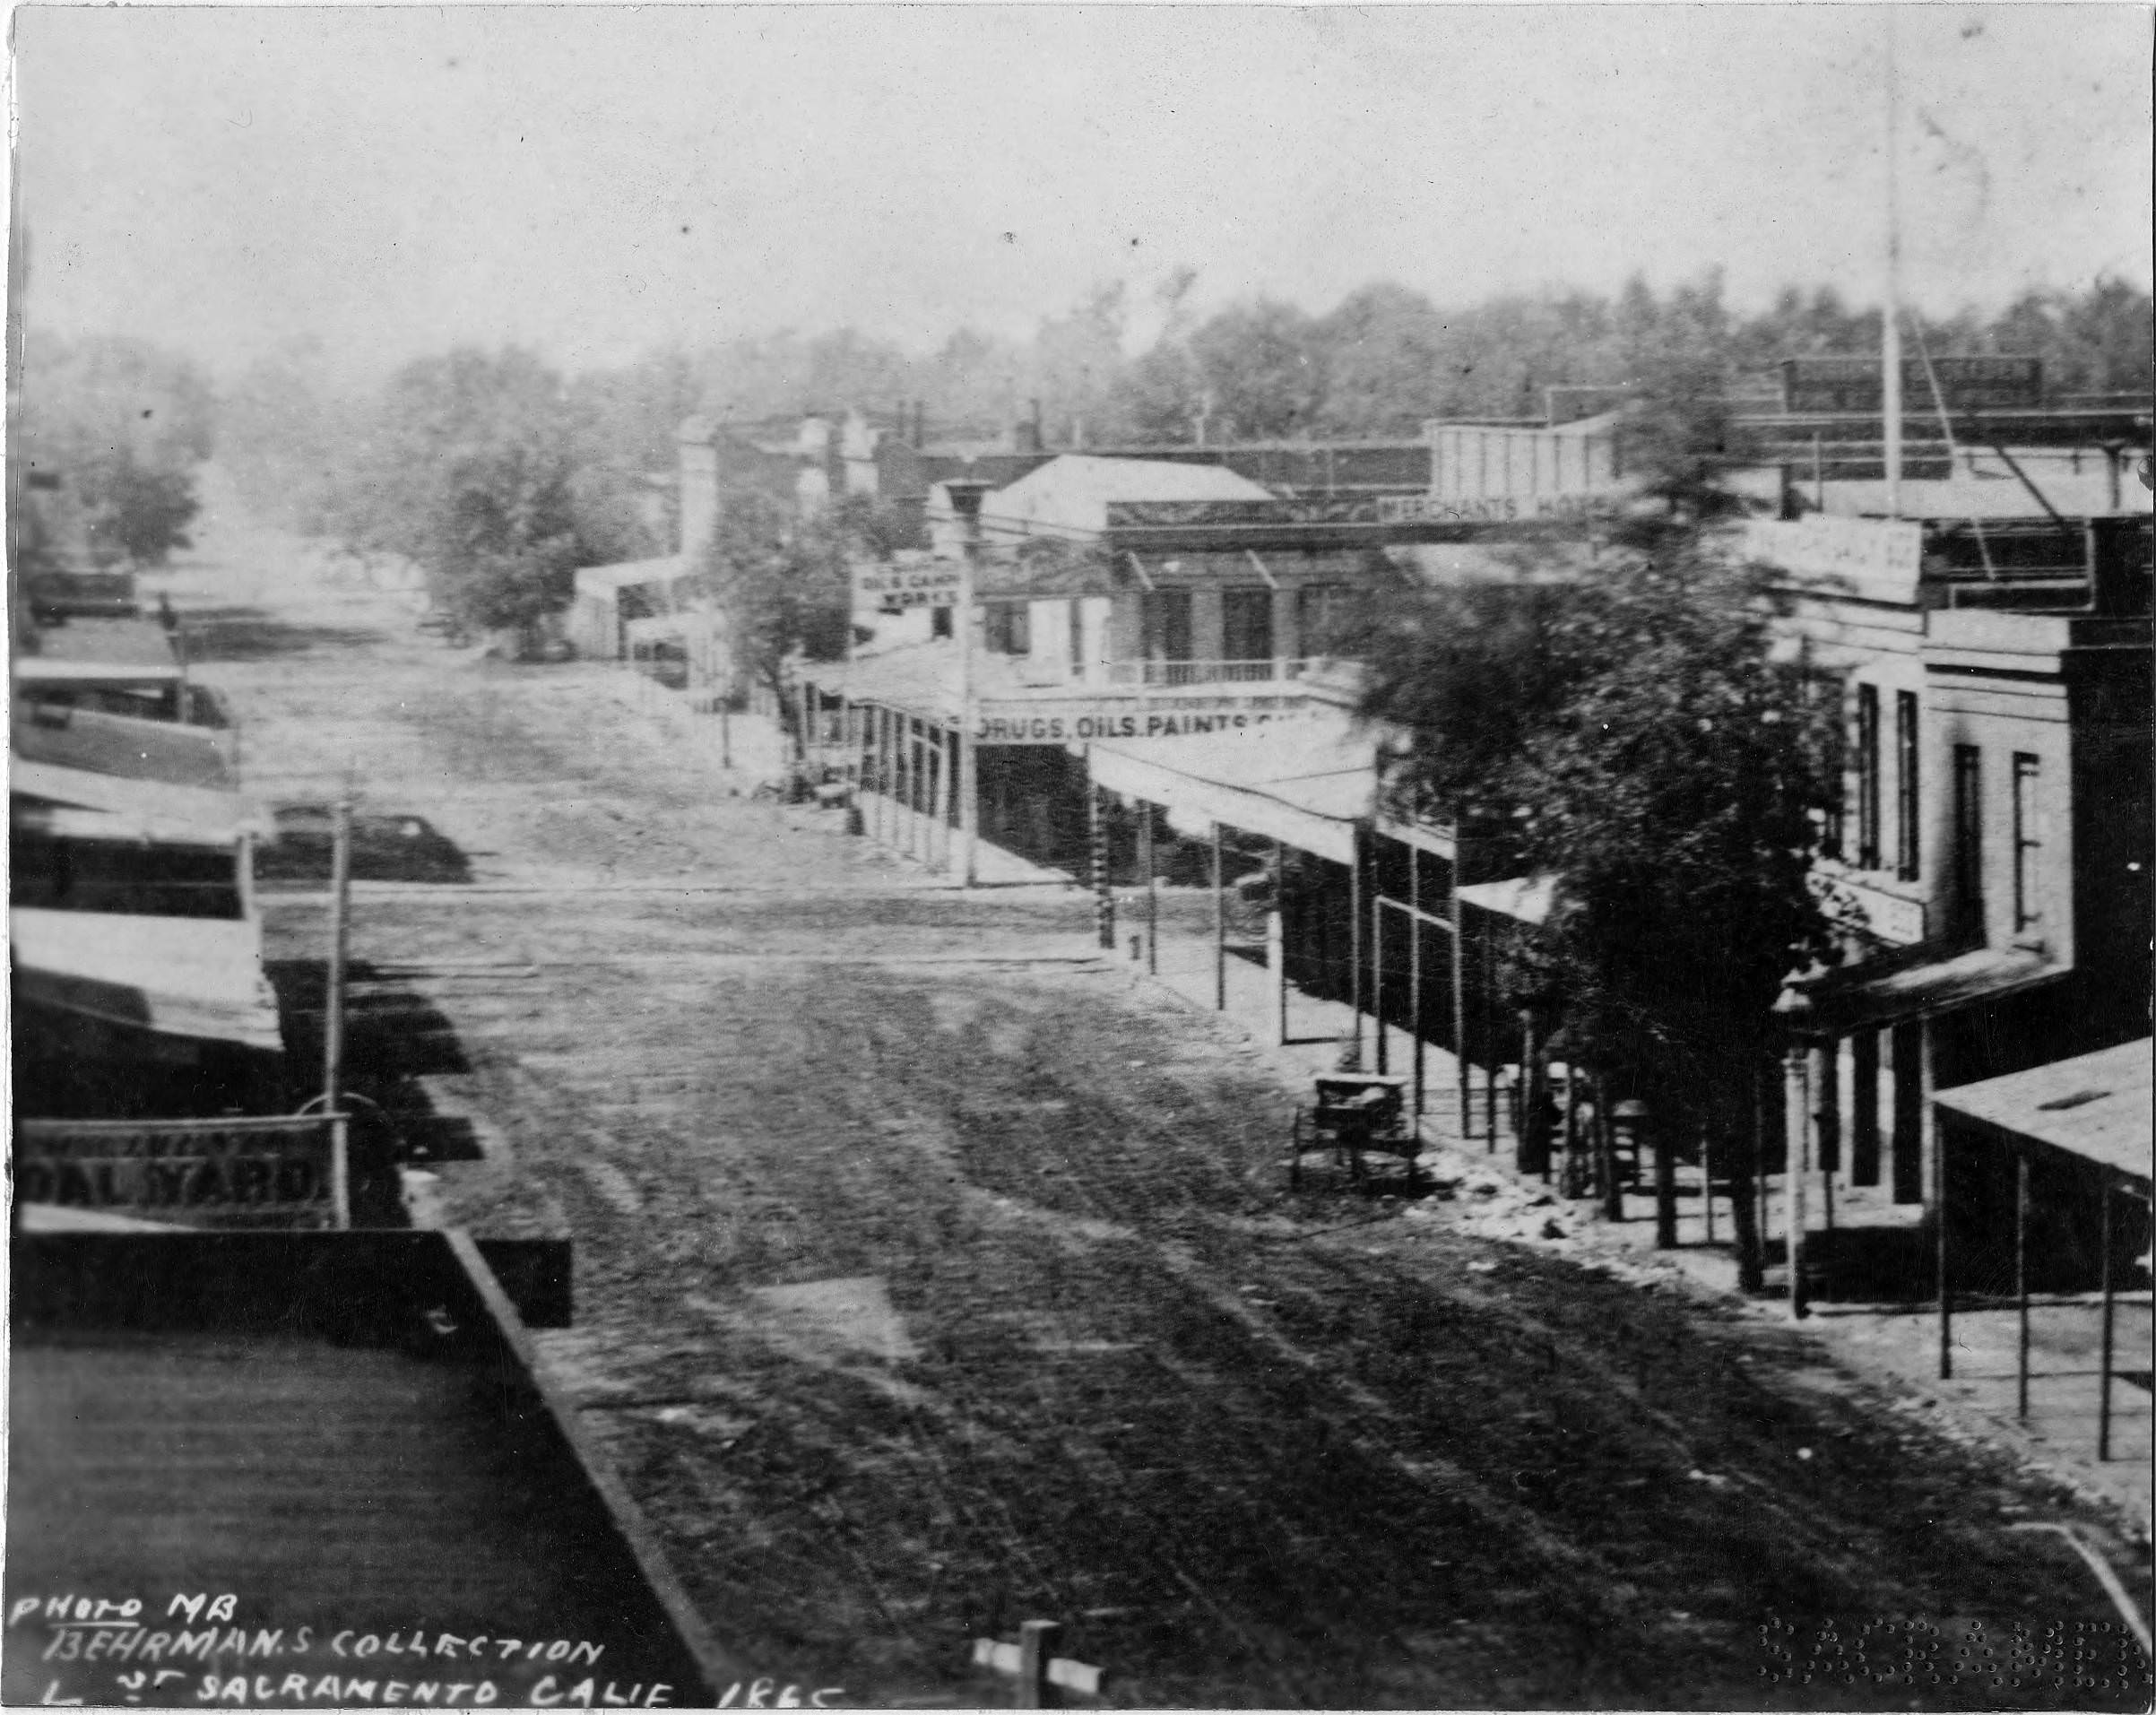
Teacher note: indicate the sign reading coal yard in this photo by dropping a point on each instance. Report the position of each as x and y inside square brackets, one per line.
[242, 1173]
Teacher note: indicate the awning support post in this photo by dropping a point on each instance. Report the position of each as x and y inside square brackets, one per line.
[1828, 1071]
[969, 744]
[1277, 935]
[1706, 1182]
[1382, 1037]
[2103, 1397]
[947, 741]
[1103, 895]
[1797, 1126]
[1354, 945]
[1459, 997]
[1415, 971]
[1946, 1301]
[1220, 927]
[1145, 857]
[2021, 1282]
[1864, 1109]
[1489, 1019]
[922, 796]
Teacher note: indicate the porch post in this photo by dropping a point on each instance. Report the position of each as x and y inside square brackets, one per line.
[1220, 928]
[1826, 1063]
[1377, 967]
[1864, 1109]
[2020, 1281]
[1489, 1019]
[1104, 896]
[878, 717]
[1927, 1120]
[1523, 1155]
[924, 790]
[1459, 997]
[1908, 1046]
[1414, 969]
[1796, 1132]
[1278, 940]
[969, 799]
[2103, 1399]
[1145, 856]
[1354, 943]
[947, 779]
[1946, 1300]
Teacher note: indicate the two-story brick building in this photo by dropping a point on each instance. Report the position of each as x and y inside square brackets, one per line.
[1992, 855]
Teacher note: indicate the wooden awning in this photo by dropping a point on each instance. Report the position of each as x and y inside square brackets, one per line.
[2093, 1106]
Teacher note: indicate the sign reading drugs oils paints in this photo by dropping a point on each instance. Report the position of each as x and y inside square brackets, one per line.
[1080, 723]
[935, 583]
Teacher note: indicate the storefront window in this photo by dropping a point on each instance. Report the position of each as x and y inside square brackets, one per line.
[2028, 842]
[1868, 776]
[1005, 629]
[1908, 810]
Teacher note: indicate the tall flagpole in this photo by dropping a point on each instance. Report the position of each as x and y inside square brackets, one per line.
[1891, 354]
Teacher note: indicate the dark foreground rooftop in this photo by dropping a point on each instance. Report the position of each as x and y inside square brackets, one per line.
[345, 1440]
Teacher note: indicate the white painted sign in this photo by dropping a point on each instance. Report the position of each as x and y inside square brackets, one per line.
[1879, 559]
[931, 583]
[1068, 721]
[1495, 509]
[1888, 916]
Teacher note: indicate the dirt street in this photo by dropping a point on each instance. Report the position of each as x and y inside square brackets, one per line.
[933, 1276]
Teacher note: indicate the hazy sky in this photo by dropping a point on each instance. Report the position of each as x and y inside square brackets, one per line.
[593, 181]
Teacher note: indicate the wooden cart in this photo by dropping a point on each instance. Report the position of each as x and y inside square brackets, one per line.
[1354, 1115]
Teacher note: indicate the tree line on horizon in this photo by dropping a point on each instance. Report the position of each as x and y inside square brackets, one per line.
[126, 422]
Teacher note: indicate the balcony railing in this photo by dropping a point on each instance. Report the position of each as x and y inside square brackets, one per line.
[1173, 673]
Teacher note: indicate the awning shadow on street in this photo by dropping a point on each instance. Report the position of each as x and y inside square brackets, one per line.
[253, 633]
[394, 1038]
[386, 846]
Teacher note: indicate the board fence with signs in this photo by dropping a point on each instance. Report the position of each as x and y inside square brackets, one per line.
[1966, 384]
[931, 583]
[232, 1173]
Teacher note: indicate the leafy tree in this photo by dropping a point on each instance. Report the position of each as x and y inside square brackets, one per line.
[288, 434]
[1683, 438]
[1074, 362]
[783, 581]
[136, 510]
[1263, 371]
[122, 424]
[1635, 737]
[1160, 395]
[468, 472]
[1386, 348]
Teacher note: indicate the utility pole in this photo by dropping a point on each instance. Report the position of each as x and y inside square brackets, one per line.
[1891, 355]
[1104, 893]
[969, 759]
[333, 1013]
